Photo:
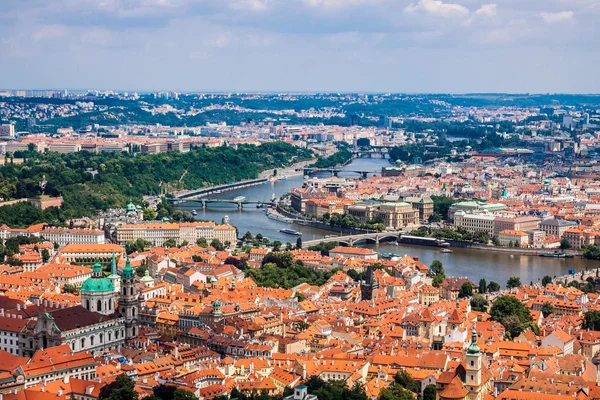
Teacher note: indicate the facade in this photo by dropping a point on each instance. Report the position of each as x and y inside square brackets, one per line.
[475, 222]
[87, 253]
[556, 227]
[423, 204]
[397, 215]
[508, 236]
[353, 252]
[64, 236]
[526, 223]
[158, 233]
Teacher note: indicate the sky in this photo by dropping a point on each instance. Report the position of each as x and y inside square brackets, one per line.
[455, 46]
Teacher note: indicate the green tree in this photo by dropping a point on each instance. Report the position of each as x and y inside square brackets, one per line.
[202, 242]
[547, 309]
[482, 286]
[479, 303]
[466, 290]
[247, 237]
[299, 243]
[45, 255]
[149, 214]
[546, 280]
[276, 245]
[437, 268]
[513, 282]
[171, 242]
[493, 287]
[429, 393]
[592, 252]
[564, 244]
[122, 388]
[216, 243]
[437, 281]
[512, 314]
[592, 320]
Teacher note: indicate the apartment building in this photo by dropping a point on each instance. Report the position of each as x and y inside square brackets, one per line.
[508, 236]
[158, 233]
[524, 223]
[64, 236]
[556, 227]
[475, 222]
[394, 215]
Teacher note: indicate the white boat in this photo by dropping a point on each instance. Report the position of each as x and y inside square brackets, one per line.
[445, 251]
[194, 212]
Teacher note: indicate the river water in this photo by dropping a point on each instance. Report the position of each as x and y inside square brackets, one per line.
[475, 264]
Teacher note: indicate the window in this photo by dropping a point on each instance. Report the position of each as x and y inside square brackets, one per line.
[472, 363]
[91, 340]
[124, 291]
[131, 291]
[99, 306]
[82, 343]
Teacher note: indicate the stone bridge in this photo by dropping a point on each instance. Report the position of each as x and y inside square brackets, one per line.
[352, 240]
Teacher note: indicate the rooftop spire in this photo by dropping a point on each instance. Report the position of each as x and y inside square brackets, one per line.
[113, 264]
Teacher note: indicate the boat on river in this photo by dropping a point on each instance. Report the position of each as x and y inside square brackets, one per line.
[194, 212]
[423, 241]
[444, 250]
[277, 217]
[556, 255]
[290, 232]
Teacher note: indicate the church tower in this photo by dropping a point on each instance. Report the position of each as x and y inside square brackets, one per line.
[97, 292]
[114, 278]
[473, 366]
[128, 301]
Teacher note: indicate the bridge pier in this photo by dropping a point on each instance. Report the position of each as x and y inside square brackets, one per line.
[203, 204]
[240, 205]
[364, 174]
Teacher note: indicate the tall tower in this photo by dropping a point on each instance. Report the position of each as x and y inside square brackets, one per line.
[97, 292]
[114, 278]
[128, 302]
[473, 361]
[368, 289]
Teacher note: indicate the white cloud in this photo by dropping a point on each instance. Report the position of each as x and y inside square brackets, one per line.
[487, 10]
[339, 3]
[438, 8]
[557, 16]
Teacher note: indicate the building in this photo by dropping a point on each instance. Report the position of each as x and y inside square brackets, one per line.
[397, 215]
[423, 204]
[64, 236]
[158, 233]
[450, 287]
[525, 223]
[475, 222]
[7, 130]
[508, 236]
[88, 253]
[353, 252]
[556, 227]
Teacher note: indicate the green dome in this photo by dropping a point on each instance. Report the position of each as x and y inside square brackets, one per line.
[130, 207]
[98, 282]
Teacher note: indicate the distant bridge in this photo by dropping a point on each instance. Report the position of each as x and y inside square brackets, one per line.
[351, 240]
[191, 194]
[336, 171]
[371, 151]
[240, 202]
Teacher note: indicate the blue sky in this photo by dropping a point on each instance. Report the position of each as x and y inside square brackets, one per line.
[302, 45]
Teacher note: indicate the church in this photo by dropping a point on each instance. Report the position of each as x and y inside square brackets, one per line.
[105, 320]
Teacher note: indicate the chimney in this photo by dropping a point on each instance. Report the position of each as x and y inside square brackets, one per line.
[66, 380]
[59, 393]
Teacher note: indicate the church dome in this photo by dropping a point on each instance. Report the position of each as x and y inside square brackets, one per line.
[130, 207]
[98, 282]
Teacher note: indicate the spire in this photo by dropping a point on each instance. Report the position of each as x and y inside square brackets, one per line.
[127, 271]
[113, 264]
[473, 347]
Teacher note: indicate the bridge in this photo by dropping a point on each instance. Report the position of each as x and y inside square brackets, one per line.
[352, 240]
[190, 194]
[371, 151]
[336, 171]
[239, 201]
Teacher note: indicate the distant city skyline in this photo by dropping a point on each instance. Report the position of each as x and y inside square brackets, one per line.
[277, 46]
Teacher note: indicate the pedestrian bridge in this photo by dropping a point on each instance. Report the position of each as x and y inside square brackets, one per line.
[352, 240]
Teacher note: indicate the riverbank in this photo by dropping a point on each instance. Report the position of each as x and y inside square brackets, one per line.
[287, 172]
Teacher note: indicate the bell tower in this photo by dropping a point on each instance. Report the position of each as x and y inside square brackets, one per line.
[128, 301]
[473, 366]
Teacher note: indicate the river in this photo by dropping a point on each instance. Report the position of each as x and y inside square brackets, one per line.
[475, 264]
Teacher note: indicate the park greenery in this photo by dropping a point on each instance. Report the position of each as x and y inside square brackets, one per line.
[279, 270]
[451, 233]
[436, 271]
[91, 182]
[348, 221]
[591, 320]
[513, 315]
[339, 158]
[324, 247]
[592, 252]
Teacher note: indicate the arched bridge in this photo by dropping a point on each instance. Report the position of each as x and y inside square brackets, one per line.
[336, 171]
[352, 240]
